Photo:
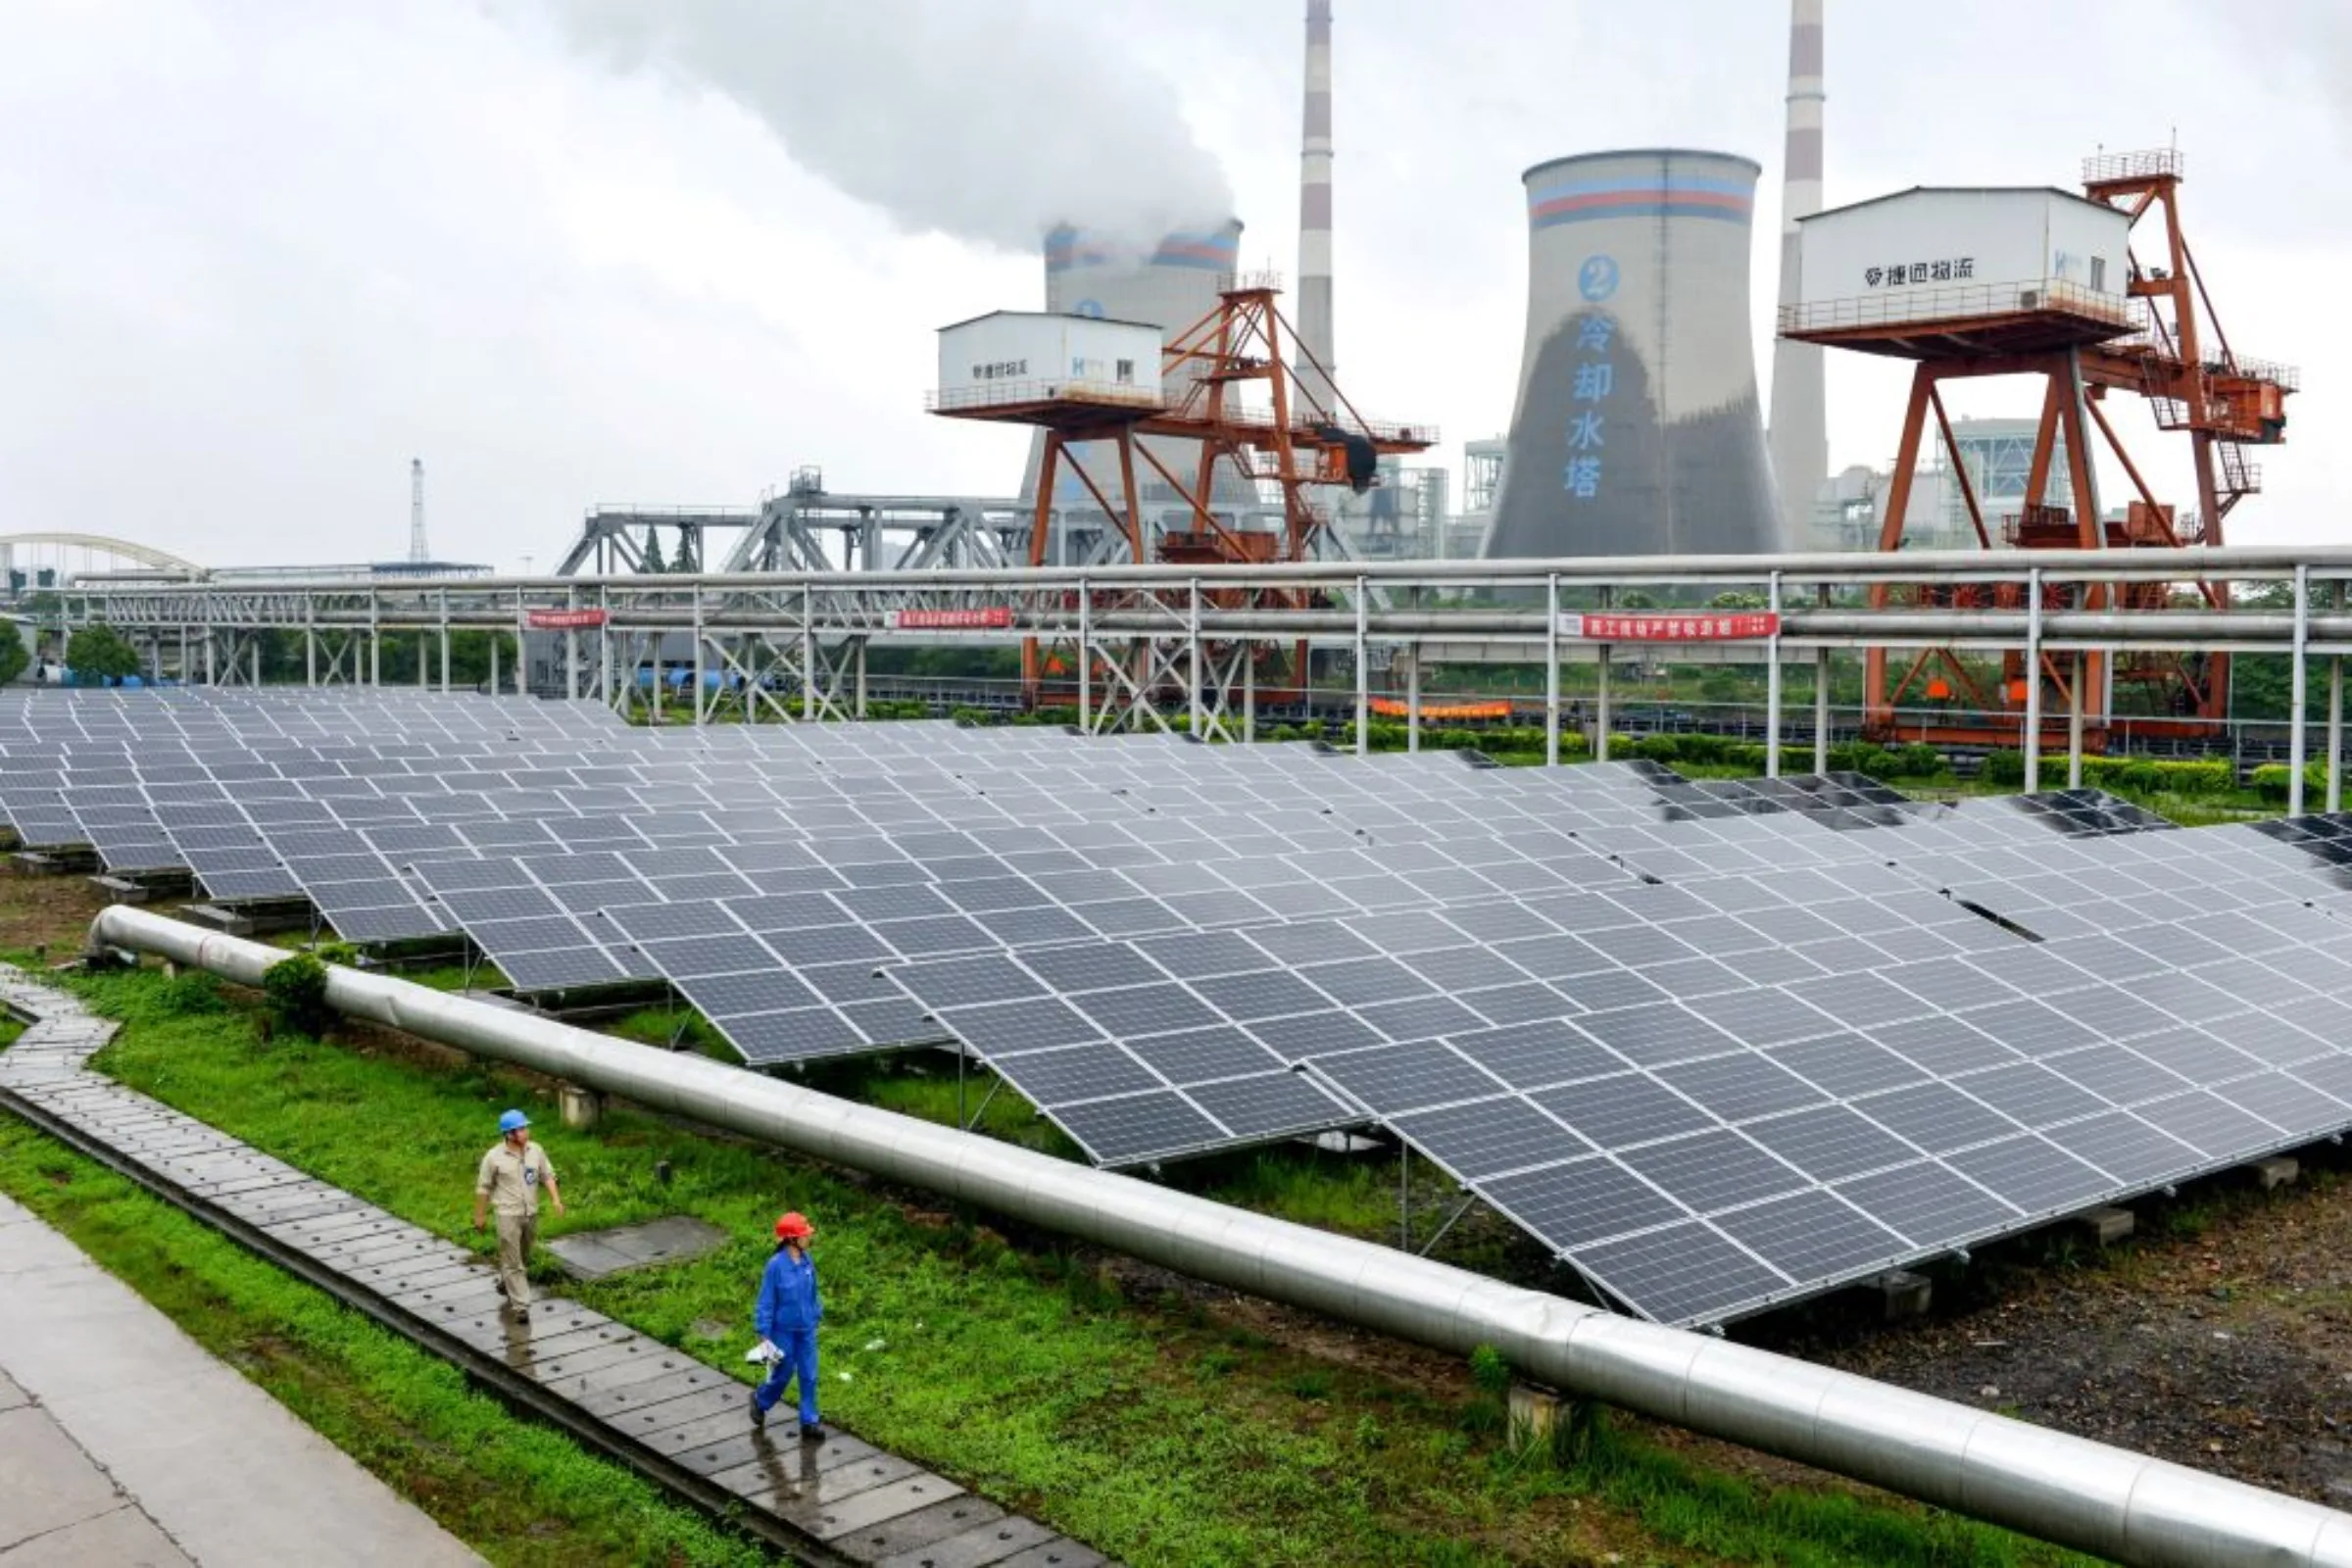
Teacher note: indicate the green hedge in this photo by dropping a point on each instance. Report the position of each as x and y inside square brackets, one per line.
[2270, 781]
[2141, 776]
[2151, 777]
[1724, 751]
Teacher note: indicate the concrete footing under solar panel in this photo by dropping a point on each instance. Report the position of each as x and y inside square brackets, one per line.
[253, 919]
[142, 888]
[2105, 1225]
[2279, 1170]
[1535, 1415]
[1905, 1295]
[583, 1108]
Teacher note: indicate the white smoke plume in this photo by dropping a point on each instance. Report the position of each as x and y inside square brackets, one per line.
[991, 120]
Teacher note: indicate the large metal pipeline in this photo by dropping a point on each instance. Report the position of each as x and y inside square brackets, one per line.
[2061, 1489]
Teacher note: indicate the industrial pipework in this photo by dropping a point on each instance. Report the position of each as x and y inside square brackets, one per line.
[2061, 1489]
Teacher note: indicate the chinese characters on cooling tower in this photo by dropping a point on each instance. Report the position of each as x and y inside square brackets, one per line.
[1595, 378]
[1637, 429]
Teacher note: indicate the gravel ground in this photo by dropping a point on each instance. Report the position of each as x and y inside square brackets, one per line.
[2220, 1337]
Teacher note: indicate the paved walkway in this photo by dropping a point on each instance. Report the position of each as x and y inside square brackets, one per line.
[685, 1424]
[124, 1441]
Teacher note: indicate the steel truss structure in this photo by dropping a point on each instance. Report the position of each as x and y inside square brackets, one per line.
[789, 533]
[1168, 639]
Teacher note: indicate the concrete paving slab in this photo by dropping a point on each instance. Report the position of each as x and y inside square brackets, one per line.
[981, 1547]
[729, 1442]
[46, 1482]
[382, 1246]
[594, 1254]
[787, 1471]
[227, 1472]
[641, 1423]
[868, 1510]
[310, 1234]
[585, 1257]
[122, 1538]
[421, 1285]
[12, 1396]
[666, 1387]
[476, 1291]
[907, 1531]
[549, 1340]
[733, 1420]
[457, 1309]
[406, 1266]
[1059, 1553]
[594, 1353]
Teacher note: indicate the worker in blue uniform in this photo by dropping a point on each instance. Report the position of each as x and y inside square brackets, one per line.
[786, 1319]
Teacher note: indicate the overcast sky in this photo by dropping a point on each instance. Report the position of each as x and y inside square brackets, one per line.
[260, 251]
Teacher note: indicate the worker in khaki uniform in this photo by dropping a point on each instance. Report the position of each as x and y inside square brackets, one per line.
[509, 1183]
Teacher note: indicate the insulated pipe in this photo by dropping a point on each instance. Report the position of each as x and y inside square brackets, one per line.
[2275, 562]
[2062, 1489]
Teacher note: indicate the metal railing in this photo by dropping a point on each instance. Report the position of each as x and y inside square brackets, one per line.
[1012, 393]
[1192, 405]
[2049, 296]
[2151, 164]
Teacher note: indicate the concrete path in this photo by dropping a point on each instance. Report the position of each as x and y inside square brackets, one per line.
[124, 1442]
[689, 1426]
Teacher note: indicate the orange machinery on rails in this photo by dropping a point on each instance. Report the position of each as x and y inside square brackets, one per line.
[1290, 443]
[2158, 340]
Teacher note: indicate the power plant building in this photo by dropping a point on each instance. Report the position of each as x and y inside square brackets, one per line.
[1637, 429]
[1171, 287]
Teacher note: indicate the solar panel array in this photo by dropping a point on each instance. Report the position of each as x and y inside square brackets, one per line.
[1719, 1044]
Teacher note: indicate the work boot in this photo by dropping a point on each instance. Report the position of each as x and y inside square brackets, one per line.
[813, 1431]
[758, 1413]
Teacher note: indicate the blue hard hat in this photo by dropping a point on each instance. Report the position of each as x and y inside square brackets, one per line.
[511, 1121]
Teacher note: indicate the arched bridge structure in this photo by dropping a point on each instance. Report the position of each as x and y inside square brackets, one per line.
[50, 560]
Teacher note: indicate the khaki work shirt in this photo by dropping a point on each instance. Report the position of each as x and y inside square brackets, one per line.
[512, 1181]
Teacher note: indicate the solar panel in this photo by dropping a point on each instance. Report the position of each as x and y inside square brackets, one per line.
[1629, 1009]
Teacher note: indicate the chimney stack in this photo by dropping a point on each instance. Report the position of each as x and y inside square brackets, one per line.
[1799, 431]
[416, 549]
[1314, 324]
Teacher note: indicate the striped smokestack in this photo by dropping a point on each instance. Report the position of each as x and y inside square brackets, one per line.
[1315, 207]
[1799, 434]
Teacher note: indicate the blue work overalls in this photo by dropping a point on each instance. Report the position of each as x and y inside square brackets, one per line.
[786, 1317]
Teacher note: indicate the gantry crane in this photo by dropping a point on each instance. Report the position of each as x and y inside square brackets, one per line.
[1296, 441]
[2167, 348]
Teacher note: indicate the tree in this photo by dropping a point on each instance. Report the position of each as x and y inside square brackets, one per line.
[13, 655]
[98, 649]
[653, 551]
[690, 554]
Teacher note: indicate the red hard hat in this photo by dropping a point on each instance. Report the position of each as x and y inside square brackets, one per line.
[794, 1226]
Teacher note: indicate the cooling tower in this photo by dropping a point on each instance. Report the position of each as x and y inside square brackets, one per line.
[1799, 431]
[1637, 429]
[1171, 288]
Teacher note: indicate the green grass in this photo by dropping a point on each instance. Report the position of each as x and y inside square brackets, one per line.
[670, 1028]
[1164, 1430]
[517, 1491]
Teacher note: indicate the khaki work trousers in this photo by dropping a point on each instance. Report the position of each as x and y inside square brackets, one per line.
[516, 1233]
